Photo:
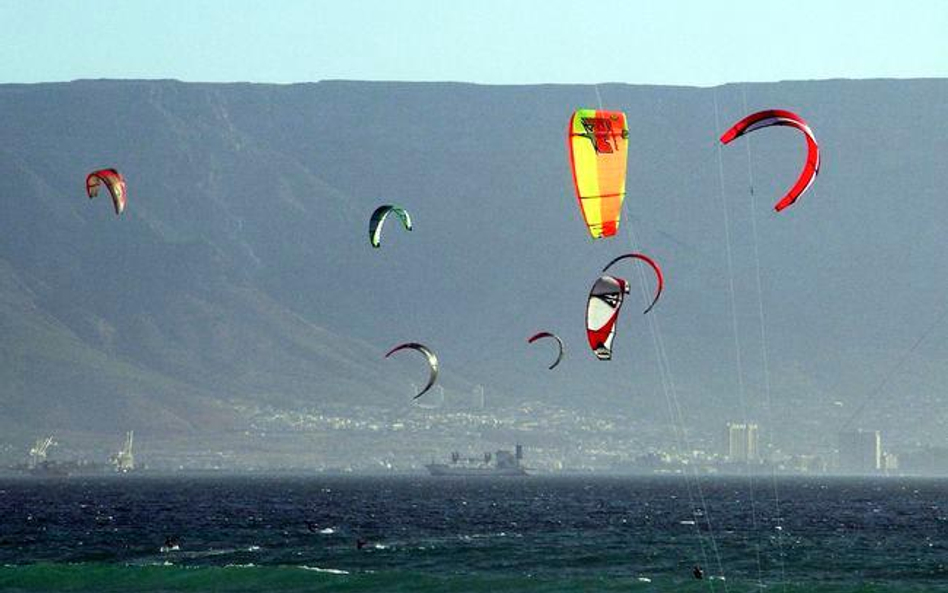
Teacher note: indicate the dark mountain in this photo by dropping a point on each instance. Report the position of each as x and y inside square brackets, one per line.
[241, 275]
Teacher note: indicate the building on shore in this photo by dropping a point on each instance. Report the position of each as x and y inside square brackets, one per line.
[742, 442]
[860, 452]
[124, 460]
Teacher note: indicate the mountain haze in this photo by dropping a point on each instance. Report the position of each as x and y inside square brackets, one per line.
[240, 275]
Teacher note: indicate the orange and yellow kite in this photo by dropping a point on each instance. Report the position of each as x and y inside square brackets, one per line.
[598, 151]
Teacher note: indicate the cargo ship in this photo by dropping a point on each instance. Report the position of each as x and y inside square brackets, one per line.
[499, 463]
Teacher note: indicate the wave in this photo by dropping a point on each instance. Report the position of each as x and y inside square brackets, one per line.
[326, 570]
[107, 578]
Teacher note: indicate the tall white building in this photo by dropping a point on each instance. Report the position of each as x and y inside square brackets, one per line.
[742, 442]
[124, 460]
[860, 451]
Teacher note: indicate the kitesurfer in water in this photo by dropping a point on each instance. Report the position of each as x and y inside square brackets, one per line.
[171, 544]
[697, 572]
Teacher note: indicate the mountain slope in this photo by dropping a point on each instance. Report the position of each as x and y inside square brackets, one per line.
[241, 270]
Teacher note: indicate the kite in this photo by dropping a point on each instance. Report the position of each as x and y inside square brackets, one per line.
[658, 273]
[559, 356]
[432, 362]
[602, 312]
[112, 180]
[378, 218]
[779, 117]
[598, 149]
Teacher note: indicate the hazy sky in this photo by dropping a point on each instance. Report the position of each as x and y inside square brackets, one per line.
[486, 41]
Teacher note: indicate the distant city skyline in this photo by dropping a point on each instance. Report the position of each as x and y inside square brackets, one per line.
[674, 43]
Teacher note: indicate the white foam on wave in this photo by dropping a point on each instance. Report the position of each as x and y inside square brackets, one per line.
[473, 536]
[327, 531]
[325, 570]
[209, 553]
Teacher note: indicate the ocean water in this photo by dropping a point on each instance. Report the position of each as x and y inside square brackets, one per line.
[519, 534]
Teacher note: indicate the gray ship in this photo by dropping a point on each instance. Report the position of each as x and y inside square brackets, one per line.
[500, 463]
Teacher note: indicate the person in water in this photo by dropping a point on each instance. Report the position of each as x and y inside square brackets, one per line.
[361, 543]
[699, 574]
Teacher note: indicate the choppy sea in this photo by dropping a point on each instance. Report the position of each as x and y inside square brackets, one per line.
[516, 534]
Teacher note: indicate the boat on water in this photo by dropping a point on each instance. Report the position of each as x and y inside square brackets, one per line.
[499, 463]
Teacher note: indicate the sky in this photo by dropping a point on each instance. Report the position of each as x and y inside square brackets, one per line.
[694, 43]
